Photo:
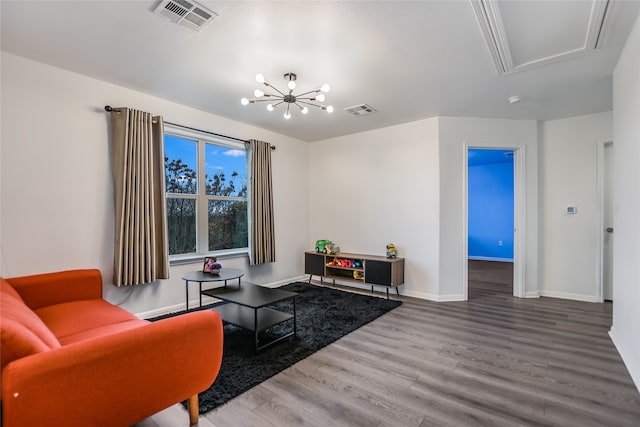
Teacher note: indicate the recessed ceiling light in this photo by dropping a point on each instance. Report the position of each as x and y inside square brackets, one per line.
[514, 99]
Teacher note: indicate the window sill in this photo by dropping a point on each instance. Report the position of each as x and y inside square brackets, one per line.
[199, 258]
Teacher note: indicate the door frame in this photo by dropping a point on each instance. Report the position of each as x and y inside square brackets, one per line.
[519, 217]
[600, 171]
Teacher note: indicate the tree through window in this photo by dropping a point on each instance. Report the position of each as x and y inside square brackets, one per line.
[206, 183]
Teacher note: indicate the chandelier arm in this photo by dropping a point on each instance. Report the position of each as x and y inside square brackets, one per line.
[307, 93]
[274, 88]
[253, 101]
[309, 103]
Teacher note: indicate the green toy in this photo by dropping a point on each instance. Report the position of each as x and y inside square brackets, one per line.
[326, 247]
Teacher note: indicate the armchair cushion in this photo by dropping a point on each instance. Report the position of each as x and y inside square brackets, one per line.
[71, 318]
[22, 332]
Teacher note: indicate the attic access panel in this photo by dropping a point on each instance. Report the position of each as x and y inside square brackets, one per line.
[524, 35]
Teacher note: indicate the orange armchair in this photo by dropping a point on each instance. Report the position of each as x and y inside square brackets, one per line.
[71, 358]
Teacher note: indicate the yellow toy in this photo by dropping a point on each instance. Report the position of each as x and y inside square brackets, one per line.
[391, 251]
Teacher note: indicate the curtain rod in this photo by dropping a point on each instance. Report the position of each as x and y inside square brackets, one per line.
[110, 109]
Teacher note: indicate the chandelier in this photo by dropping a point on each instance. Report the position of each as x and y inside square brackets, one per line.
[314, 97]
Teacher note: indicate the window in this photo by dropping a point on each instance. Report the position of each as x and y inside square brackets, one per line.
[206, 181]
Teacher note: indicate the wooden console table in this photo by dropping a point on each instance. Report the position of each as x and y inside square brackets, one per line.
[366, 269]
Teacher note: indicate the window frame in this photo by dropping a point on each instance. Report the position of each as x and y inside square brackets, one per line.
[202, 198]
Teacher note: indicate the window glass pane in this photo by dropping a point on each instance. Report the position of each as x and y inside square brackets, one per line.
[227, 225]
[180, 165]
[181, 224]
[226, 171]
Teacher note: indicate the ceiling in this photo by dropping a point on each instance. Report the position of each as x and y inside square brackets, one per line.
[408, 60]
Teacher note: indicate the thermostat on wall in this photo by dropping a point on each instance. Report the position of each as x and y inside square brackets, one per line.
[572, 209]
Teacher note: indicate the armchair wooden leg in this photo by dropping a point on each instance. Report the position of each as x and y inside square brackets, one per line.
[192, 405]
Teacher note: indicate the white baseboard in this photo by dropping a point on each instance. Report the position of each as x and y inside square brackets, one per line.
[632, 366]
[277, 284]
[488, 258]
[164, 310]
[567, 295]
[450, 298]
[402, 288]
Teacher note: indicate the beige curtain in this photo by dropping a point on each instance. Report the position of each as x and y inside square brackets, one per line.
[263, 247]
[141, 248]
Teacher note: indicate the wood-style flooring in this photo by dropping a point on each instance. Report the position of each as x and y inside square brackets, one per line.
[494, 360]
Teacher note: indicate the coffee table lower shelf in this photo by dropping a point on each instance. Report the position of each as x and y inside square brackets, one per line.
[256, 320]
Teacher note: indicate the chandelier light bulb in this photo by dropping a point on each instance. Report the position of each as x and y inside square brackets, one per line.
[320, 97]
[244, 101]
[329, 108]
[270, 107]
[304, 110]
[260, 78]
[258, 93]
[291, 85]
[325, 88]
[287, 115]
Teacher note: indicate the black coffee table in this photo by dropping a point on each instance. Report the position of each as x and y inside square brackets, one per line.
[248, 310]
[200, 277]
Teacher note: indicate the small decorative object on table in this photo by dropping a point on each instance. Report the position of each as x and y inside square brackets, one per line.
[391, 251]
[211, 265]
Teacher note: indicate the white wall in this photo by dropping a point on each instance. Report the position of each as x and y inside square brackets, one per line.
[456, 133]
[379, 187]
[568, 176]
[626, 264]
[57, 196]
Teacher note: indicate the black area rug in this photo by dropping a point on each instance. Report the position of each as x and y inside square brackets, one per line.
[323, 316]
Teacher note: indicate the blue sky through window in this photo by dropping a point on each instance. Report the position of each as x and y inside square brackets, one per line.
[218, 160]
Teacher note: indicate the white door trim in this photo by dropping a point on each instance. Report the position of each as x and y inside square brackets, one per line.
[601, 225]
[519, 222]
[465, 221]
[519, 218]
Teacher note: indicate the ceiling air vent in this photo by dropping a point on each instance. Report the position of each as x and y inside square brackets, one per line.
[188, 13]
[361, 110]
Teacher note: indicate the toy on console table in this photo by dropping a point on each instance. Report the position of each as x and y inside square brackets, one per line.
[211, 265]
[347, 263]
[327, 247]
[391, 251]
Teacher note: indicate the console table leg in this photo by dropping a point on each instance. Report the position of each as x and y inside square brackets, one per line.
[397, 291]
[200, 283]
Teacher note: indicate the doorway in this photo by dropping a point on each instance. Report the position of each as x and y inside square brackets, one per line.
[490, 220]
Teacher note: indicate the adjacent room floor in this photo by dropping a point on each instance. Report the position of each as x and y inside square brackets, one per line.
[487, 278]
